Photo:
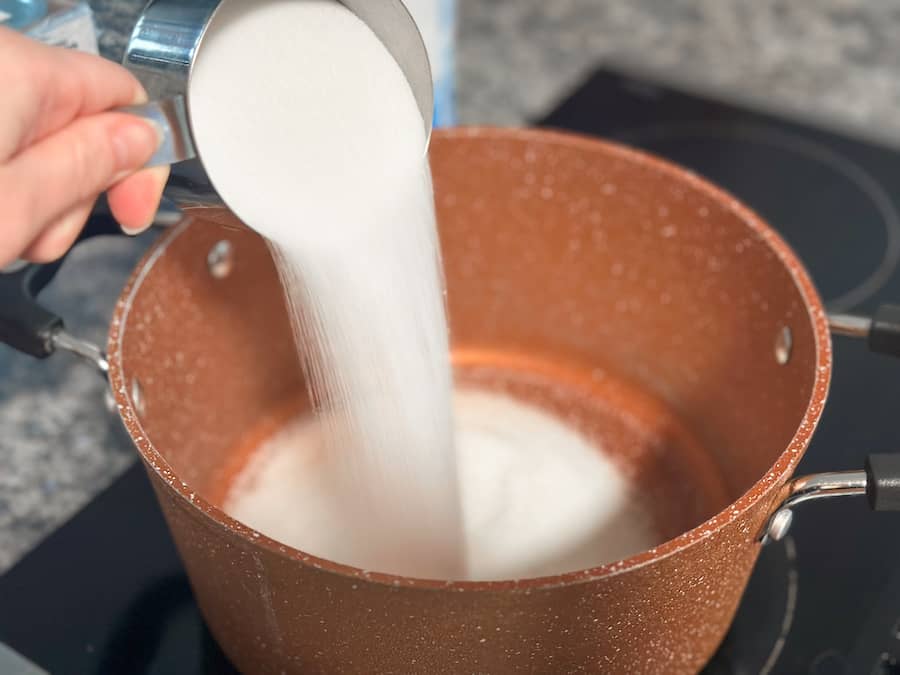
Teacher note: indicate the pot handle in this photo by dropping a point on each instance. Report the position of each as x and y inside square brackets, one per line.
[25, 324]
[879, 482]
[881, 331]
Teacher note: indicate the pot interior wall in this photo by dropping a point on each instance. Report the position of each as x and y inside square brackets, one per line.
[601, 258]
[656, 304]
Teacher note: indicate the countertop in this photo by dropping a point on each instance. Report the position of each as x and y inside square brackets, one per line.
[832, 60]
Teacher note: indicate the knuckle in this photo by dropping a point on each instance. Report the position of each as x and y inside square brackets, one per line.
[18, 209]
[90, 161]
[19, 214]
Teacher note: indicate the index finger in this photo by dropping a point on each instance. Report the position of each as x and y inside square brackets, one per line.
[46, 88]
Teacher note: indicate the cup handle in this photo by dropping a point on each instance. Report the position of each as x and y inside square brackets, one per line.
[170, 116]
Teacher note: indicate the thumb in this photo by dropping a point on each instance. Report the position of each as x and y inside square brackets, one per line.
[51, 177]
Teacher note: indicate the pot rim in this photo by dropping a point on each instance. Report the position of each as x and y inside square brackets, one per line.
[774, 478]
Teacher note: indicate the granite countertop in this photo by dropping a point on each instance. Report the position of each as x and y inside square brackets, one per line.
[831, 59]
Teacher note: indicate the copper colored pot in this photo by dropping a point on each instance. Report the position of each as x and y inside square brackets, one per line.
[683, 333]
[558, 250]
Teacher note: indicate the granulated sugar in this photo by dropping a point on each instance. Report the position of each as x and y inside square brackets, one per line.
[537, 497]
[309, 129]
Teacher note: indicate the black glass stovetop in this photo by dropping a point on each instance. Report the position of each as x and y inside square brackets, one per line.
[107, 594]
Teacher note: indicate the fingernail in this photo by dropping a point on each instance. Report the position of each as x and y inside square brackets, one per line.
[140, 95]
[135, 231]
[134, 143]
[155, 181]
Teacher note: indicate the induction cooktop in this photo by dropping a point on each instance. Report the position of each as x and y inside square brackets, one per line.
[106, 593]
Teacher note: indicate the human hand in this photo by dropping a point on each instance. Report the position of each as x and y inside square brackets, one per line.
[61, 146]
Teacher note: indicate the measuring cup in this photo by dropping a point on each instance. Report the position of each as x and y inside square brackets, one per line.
[166, 43]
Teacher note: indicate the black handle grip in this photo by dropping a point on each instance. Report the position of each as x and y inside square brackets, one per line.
[883, 482]
[24, 324]
[884, 333]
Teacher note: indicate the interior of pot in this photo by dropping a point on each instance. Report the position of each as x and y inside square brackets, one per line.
[638, 303]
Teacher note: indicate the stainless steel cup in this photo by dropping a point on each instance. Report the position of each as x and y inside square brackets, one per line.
[168, 40]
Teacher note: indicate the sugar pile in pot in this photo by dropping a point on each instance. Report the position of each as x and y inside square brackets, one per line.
[538, 498]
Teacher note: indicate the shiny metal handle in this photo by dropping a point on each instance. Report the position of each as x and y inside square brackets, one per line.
[88, 351]
[880, 483]
[809, 488]
[170, 115]
[850, 325]
[881, 331]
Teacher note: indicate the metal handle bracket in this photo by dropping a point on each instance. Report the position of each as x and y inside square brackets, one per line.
[880, 482]
[881, 331]
[170, 116]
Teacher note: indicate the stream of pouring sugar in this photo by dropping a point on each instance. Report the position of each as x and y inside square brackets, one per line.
[322, 151]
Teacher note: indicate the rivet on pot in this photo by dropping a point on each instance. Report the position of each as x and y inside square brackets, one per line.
[784, 344]
[780, 524]
[137, 397]
[109, 400]
[220, 259]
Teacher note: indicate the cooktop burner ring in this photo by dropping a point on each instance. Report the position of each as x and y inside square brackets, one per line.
[811, 150]
[790, 610]
[760, 631]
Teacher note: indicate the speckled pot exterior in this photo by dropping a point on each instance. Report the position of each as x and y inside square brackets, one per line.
[555, 246]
